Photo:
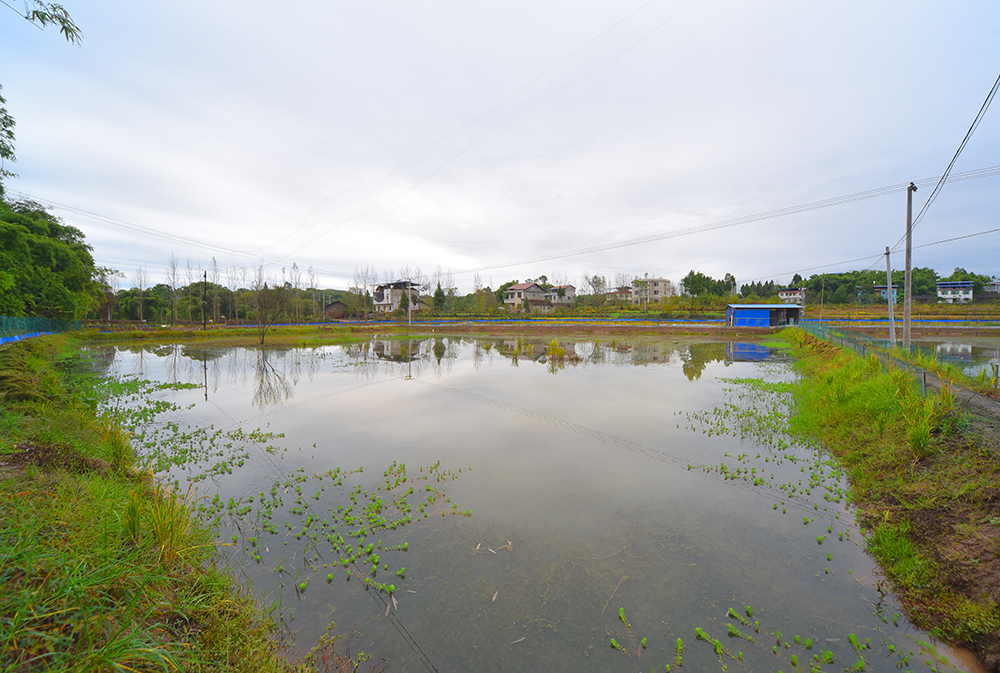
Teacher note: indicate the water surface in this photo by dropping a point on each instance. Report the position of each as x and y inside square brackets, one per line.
[600, 483]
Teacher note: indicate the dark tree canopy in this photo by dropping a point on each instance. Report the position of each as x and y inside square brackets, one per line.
[46, 269]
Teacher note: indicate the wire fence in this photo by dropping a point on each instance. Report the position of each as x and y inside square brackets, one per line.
[17, 328]
[888, 353]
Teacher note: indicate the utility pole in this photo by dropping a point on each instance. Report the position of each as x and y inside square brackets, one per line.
[907, 282]
[890, 298]
[204, 301]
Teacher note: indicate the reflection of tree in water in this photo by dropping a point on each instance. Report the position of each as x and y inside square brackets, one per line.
[698, 356]
[272, 388]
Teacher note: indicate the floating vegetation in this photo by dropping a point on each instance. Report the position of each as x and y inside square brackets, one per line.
[338, 524]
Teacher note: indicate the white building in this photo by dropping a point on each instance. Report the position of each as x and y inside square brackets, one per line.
[793, 295]
[954, 291]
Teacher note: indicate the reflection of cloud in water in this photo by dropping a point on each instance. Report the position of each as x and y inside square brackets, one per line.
[272, 389]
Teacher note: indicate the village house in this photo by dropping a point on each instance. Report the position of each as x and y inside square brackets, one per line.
[389, 295]
[560, 299]
[954, 291]
[883, 291]
[646, 290]
[515, 296]
[335, 310]
[619, 294]
[793, 295]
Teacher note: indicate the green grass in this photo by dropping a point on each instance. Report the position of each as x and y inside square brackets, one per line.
[100, 567]
[917, 468]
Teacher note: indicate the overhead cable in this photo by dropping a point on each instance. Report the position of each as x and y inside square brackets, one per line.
[746, 219]
[944, 177]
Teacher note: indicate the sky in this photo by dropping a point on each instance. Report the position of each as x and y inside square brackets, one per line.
[492, 141]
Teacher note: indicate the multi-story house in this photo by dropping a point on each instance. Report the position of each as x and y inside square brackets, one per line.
[646, 290]
[515, 296]
[883, 291]
[560, 299]
[389, 295]
[793, 295]
[954, 291]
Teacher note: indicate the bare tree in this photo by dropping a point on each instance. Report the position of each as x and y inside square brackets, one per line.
[110, 281]
[243, 286]
[296, 278]
[269, 300]
[311, 276]
[231, 277]
[622, 280]
[172, 279]
[215, 274]
[189, 275]
[141, 280]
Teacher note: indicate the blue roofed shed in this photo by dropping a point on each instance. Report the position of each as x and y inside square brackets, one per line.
[762, 315]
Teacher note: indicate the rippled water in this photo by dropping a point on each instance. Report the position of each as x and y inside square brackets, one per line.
[599, 485]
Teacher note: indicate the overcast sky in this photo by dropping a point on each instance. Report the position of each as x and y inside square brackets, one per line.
[473, 136]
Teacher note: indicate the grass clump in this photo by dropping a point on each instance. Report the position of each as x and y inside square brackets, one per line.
[101, 568]
[924, 475]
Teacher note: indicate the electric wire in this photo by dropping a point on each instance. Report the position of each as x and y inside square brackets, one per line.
[18, 12]
[879, 256]
[944, 177]
[979, 173]
[746, 219]
[968, 134]
[185, 240]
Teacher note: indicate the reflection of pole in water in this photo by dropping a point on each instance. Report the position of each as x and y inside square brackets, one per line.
[204, 367]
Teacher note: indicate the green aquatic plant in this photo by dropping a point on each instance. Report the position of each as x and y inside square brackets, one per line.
[621, 617]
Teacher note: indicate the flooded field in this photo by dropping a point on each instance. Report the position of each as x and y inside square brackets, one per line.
[524, 505]
[975, 357]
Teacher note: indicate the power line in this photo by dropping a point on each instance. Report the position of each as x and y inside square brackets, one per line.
[175, 238]
[975, 174]
[944, 177]
[875, 257]
[781, 212]
[18, 12]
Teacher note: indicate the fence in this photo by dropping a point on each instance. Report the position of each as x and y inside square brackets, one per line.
[886, 350]
[17, 328]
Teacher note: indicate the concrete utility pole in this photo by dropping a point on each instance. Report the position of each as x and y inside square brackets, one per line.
[890, 298]
[907, 292]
